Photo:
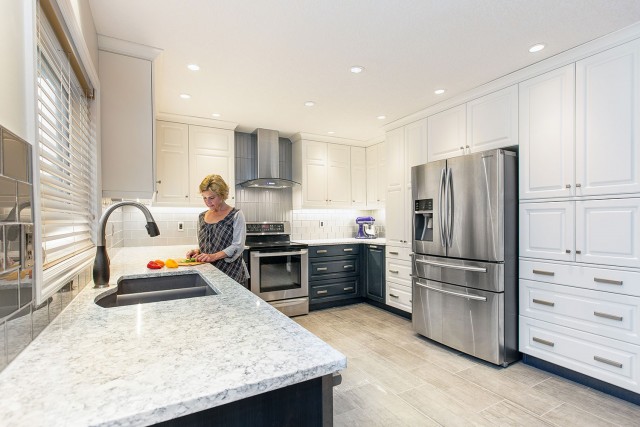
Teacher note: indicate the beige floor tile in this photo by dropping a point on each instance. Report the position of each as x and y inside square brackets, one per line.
[525, 374]
[352, 377]
[396, 354]
[567, 415]
[506, 413]
[348, 347]
[386, 374]
[438, 377]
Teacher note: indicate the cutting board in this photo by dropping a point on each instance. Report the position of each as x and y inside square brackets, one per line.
[187, 264]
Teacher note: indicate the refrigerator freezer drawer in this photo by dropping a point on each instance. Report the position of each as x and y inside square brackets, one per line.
[487, 276]
[468, 320]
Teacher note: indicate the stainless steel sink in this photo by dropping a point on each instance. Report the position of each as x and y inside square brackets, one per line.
[142, 290]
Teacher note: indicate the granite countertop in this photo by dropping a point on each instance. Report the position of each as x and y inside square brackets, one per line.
[342, 241]
[147, 363]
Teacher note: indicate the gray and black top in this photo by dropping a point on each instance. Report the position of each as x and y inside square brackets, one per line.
[226, 235]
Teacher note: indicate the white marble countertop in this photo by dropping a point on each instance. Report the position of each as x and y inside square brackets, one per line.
[146, 363]
[342, 241]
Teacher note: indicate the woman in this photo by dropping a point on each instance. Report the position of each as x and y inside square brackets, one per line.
[221, 231]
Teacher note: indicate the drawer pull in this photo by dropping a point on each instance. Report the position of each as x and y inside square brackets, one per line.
[348, 249]
[607, 361]
[394, 296]
[394, 271]
[347, 266]
[545, 342]
[321, 251]
[454, 266]
[455, 294]
[543, 302]
[393, 253]
[544, 273]
[321, 269]
[373, 246]
[568, 251]
[607, 316]
[349, 288]
[321, 292]
[608, 281]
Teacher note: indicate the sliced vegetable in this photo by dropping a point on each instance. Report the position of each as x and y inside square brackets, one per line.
[154, 265]
[171, 263]
[159, 262]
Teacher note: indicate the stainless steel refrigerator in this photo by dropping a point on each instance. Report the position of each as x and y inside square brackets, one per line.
[465, 228]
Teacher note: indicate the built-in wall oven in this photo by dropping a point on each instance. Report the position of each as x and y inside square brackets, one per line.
[279, 269]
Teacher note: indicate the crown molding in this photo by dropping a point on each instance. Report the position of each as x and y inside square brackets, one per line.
[124, 47]
[198, 121]
[325, 138]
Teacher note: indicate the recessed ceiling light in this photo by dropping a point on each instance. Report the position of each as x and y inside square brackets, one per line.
[331, 132]
[185, 96]
[381, 117]
[215, 114]
[438, 91]
[357, 69]
[193, 67]
[536, 47]
[309, 104]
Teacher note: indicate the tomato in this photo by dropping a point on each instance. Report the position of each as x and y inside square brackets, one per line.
[159, 262]
[154, 265]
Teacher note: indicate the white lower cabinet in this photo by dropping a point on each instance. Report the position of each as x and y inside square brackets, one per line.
[610, 360]
[398, 274]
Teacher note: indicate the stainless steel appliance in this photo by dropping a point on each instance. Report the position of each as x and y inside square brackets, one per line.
[465, 254]
[279, 268]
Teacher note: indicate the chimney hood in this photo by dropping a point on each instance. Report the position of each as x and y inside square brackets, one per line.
[268, 160]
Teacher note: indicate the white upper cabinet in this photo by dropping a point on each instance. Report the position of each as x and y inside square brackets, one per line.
[126, 111]
[373, 190]
[447, 133]
[492, 121]
[172, 162]
[211, 151]
[358, 177]
[186, 154]
[547, 135]
[608, 122]
[339, 175]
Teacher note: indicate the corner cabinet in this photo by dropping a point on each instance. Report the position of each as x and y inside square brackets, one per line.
[186, 154]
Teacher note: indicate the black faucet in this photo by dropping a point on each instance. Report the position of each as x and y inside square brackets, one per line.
[101, 271]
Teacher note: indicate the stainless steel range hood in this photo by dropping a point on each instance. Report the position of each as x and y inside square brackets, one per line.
[268, 156]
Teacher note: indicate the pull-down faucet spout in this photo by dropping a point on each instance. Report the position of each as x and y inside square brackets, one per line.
[101, 270]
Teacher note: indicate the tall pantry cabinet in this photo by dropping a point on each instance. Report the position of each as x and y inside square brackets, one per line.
[580, 216]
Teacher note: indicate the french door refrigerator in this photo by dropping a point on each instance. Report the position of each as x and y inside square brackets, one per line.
[465, 230]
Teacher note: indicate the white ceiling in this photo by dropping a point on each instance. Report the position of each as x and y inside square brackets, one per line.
[262, 59]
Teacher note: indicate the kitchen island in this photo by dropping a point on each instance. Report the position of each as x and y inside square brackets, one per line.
[149, 363]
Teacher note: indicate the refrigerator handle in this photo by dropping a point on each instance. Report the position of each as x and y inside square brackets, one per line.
[447, 207]
[441, 220]
[450, 207]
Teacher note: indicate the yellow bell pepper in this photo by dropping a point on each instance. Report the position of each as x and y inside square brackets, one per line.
[170, 263]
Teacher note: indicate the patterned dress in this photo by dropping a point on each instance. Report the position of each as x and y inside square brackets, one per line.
[213, 238]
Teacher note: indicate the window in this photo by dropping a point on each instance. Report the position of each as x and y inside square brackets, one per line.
[66, 161]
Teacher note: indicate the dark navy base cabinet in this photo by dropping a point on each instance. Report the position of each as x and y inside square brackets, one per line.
[374, 273]
[334, 275]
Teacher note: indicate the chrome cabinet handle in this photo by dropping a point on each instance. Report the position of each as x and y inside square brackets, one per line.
[347, 266]
[578, 252]
[607, 316]
[373, 247]
[608, 281]
[321, 251]
[578, 185]
[393, 253]
[159, 181]
[394, 271]
[394, 296]
[348, 249]
[350, 288]
[455, 294]
[456, 267]
[568, 251]
[543, 302]
[462, 148]
[321, 269]
[544, 273]
[607, 361]
[321, 292]
[568, 186]
[545, 342]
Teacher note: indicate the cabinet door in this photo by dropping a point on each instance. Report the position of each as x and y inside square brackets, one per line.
[373, 200]
[382, 173]
[547, 116]
[547, 230]
[395, 209]
[172, 162]
[492, 121]
[339, 175]
[607, 121]
[374, 270]
[314, 174]
[211, 151]
[447, 133]
[607, 232]
[358, 177]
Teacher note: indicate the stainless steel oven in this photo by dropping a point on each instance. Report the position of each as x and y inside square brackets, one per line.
[279, 269]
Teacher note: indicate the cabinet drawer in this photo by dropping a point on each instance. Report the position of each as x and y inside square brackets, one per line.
[609, 360]
[601, 313]
[322, 291]
[399, 271]
[398, 296]
[601, 279]
[324, 268]
[333, 250]
[398, 252]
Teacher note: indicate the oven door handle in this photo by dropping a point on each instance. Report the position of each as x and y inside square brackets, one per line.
[258, 254]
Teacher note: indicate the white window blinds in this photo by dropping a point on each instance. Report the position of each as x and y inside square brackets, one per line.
[67, 154]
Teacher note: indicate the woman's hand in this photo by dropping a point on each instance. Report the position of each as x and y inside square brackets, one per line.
[210, 257]
[192, 253]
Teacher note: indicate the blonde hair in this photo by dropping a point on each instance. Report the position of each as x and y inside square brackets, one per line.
[216, 184]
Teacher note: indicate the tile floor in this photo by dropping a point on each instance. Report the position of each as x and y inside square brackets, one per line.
[397, 378]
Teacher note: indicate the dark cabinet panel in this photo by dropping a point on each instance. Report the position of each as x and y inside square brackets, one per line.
[374, 273]
[324, 268]
[333, 250]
